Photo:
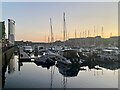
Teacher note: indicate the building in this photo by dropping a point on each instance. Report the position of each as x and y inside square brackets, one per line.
[11, 32]
[2, 33]
[93, 41]
[114, 40]
[2, 30]
[82, 42]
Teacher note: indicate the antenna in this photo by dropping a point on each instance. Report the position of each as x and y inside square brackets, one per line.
[51, 30]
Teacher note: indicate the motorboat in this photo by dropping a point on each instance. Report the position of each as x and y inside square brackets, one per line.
[45, 59]
[72, 55]
[28, 49]
[109, 55]
[41, 50]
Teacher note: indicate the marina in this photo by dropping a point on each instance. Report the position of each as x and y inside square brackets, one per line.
[58, 65]
[70, 46]
[48, 71]
[30, 75]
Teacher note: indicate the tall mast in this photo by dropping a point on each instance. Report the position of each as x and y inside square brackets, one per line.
[88, 33]
[83, 34]
[68, 35]
[51, 30]
[97, 30]
[48, 39]
[102, 34]
[111, 34]
[64, 28]
[80, 34]
[102, 31]
[45, 38]
[94, 31]
[75, 34]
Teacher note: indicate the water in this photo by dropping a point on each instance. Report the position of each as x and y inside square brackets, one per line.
[29, 75]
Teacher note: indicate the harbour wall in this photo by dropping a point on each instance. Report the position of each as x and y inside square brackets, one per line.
[6, 55]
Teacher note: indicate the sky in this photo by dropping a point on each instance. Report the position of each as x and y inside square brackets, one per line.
[32, 19]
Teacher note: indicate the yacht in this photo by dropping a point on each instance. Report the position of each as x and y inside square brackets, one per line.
[72, 55]
[28, 49]
[110, 54]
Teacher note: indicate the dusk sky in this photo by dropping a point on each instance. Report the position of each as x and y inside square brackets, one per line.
[32, 18]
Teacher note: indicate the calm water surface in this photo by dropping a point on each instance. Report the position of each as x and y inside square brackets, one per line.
[29, 75]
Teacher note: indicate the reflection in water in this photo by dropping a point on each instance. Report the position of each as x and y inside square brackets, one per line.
[44, 65]
[11, 65]
[20, 63]
[4, 69]
[11, 68]
[0, 68]
[0, 81]
[111, 66]
[68, 71]
[3, 74]
[62, 72]
[52, 75]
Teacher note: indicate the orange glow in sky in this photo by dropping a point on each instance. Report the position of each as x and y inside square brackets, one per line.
[32, 19]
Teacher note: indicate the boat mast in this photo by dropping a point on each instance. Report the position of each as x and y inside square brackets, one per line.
[111, 34]
[85, 33]
[68, 35]
[97, 30]
[88, 33]
[48, 40]
[51, 30]
[102, 35]
[75, 34]
[64, 28]
[80, 34]
[94, 31]
[102, 32]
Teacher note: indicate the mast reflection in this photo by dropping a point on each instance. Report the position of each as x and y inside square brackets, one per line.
[11, 68]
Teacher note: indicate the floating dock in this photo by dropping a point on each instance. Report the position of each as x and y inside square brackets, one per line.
[23, 56]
